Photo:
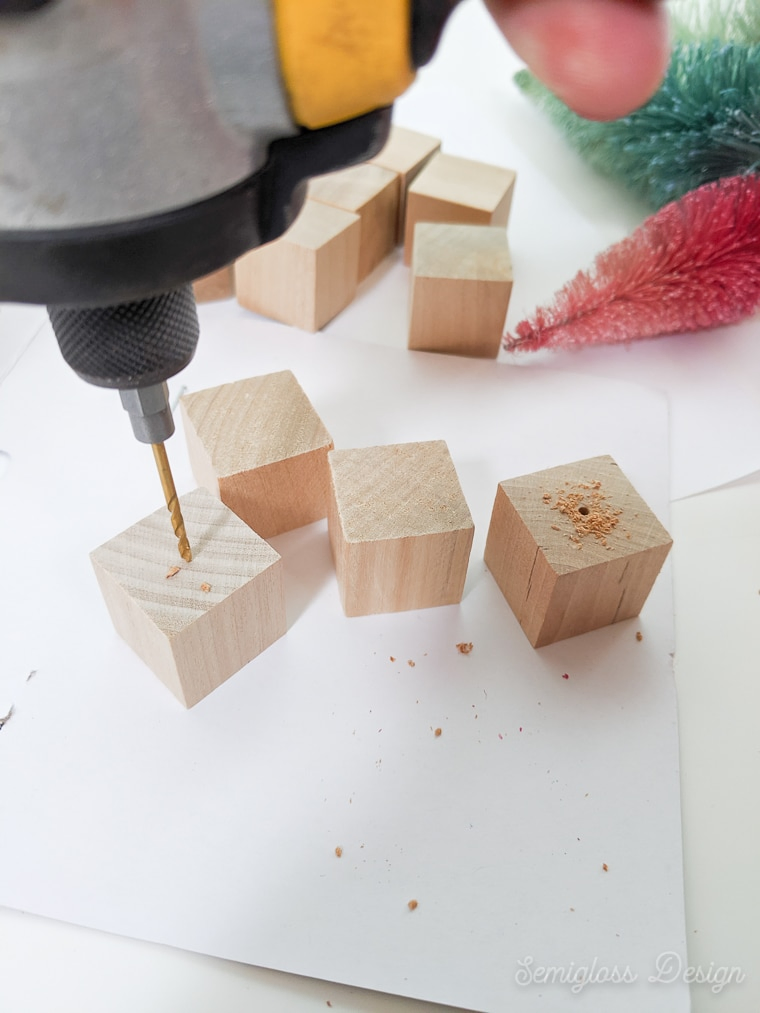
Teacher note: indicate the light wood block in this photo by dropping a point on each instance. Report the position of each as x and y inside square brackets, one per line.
[400, 529]
[405, 152]
[260, 446]
[202, 624]
[215, 286]
[573, 548]
[451, 189]
[308, 275]
[460, 287]
[372, 193]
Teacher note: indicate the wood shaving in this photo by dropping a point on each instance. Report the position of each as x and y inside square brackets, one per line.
[605, 867]
[412, 905]
[205, 587]
[438, 732]
[410, 663]
[172, 571]
[639, 635]
[392, 658]
[339, 852]
[464, 648]
[588, 510]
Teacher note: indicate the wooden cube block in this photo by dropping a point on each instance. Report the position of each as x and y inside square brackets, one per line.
[460, 287]
[200, 625]
[573, 548]
[260, 446]
[400, 529]
[372, 193]
[308, 275]
[217, 285]
[405, 152]
[451, 189]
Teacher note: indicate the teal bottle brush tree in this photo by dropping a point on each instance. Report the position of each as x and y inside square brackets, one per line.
[703, 124]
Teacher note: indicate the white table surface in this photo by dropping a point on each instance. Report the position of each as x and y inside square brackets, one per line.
[57, 968]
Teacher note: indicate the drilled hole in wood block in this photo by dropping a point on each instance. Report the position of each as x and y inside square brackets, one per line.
[573, 548]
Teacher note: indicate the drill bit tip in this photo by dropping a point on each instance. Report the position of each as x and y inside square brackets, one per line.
[172, 501]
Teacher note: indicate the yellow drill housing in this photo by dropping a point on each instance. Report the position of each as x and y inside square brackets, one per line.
[342, 58]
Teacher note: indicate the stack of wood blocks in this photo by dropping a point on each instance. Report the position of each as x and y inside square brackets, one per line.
[456, 243]
[352, 221]
[572, 548]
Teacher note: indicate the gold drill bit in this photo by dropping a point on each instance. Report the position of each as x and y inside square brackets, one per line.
[172, 503]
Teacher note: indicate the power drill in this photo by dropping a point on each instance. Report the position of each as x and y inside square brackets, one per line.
[145, 144]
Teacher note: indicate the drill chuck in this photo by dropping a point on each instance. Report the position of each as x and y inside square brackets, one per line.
[133, 344]
[133, 347]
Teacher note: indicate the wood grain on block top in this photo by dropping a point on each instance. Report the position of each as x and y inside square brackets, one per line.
[469, 252]
[398, 491]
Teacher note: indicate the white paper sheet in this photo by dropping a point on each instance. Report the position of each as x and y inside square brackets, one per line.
[214, 830]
